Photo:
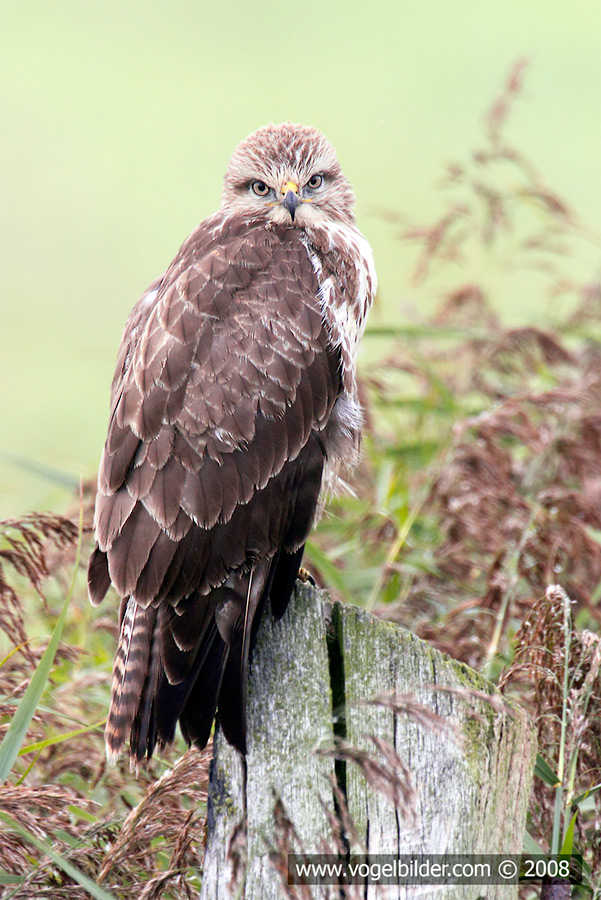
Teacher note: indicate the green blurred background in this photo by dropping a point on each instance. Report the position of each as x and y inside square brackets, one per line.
[118, 119]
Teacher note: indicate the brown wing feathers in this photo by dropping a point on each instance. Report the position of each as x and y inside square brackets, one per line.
[210, 474]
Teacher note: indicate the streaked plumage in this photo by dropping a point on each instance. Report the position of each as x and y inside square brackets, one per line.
[234, 404]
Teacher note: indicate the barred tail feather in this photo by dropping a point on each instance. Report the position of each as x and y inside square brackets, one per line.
[143, 731]
[130, 672]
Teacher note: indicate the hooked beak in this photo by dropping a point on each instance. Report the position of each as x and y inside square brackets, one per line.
[291, 197]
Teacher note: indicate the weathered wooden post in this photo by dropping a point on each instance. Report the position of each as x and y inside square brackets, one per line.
[314, 678]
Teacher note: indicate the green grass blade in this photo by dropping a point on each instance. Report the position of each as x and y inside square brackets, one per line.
[59, 738]
[545, 772]
[28, 769]
[568, 840]
[5, 878]
[13, 739]
[82, 814]
[14, 650]
[390, 330]
[49, 473]
[588, 793]
[68, 868]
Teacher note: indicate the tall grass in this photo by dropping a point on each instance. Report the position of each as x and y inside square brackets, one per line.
[480, 487]
[70, 826]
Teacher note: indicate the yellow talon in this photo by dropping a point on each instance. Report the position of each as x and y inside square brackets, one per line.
[305, 576]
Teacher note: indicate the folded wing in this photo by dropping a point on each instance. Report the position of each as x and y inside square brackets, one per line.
[210, 476]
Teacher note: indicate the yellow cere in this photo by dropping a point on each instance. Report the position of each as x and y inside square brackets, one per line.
[290, 186]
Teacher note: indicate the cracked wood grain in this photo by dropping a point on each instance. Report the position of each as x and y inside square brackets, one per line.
[314, 674]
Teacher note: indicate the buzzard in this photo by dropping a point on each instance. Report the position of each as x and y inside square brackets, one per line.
[233, 407]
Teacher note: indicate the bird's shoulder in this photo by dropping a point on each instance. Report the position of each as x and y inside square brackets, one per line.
[231, 275]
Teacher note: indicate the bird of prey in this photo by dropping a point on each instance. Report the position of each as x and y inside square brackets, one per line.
[233, 408]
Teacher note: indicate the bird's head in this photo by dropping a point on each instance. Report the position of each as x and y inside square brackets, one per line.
[287, 174]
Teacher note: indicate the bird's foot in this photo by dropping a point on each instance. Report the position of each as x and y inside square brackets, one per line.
[305, 576]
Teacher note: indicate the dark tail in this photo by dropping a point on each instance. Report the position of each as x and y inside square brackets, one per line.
[158, 679]
[131, 671]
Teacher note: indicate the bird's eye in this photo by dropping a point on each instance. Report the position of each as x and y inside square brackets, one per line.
[260, 188]
[315, 182]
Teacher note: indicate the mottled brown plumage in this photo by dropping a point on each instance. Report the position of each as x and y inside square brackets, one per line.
[233, 406]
